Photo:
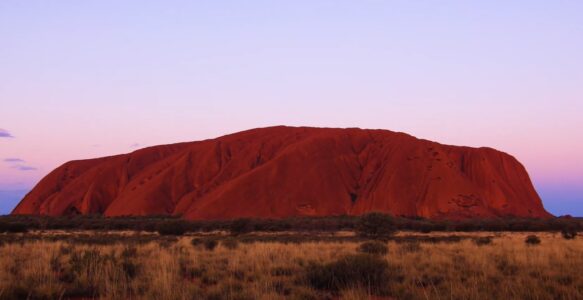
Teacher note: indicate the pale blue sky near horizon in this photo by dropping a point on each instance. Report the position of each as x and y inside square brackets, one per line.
[82, 79]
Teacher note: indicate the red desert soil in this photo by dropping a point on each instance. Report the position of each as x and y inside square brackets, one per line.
[280, 172]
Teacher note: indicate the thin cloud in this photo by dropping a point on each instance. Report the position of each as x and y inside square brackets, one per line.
[5, 134]
[24, 168]
[14, 160]
[135, 145]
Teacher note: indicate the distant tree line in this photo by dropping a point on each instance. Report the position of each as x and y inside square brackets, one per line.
[371, 225]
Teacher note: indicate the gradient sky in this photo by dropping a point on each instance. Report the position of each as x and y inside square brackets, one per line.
[81, 79]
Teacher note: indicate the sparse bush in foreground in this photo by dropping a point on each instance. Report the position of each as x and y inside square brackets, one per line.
[375, 225]
[230, 243]
[360, 270]
[282, 271]
[210, 244]
[569, 233]
[532, 240]
[45, 265]
[483, 240]
[374, 247]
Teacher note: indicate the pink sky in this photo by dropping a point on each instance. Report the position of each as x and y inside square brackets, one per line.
[93, 79]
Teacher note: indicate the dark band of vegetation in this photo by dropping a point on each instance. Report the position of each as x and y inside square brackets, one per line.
[175, 226]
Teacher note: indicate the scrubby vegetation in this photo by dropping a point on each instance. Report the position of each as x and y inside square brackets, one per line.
[532, 240]
[173, 227]
[217, 265]
[362, 271]
[374, 247]
[483, 240]
[298, 258]
[230, 243]
[210, 244]
[241, 226]
[375, 225]
[569, 233]
[302, 224]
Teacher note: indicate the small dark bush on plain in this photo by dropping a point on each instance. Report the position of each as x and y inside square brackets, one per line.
[55, 263]
[210, 244]
[66, 250]
[281, 288]
[196, 241]
[282, 271]
[230, 243]
[368, 271]
[172, 228]
[130, 268]
[129, 252]
[375, 225]
[482, 241]
[532, 240]
[241, 226]
[569, 233]
[81, 265]
[505, 266]
[374, 247]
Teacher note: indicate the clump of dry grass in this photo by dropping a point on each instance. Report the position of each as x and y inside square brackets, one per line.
[357, 270]
[532, 240]
[177, 269]
[374, 247]
[483, 240]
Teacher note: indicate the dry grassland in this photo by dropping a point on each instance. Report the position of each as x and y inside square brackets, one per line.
[507, 268]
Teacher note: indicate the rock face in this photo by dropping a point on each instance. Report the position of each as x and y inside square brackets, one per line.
[292, 171]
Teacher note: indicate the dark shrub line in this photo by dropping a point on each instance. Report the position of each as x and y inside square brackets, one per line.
[375, 226]
[367, 225]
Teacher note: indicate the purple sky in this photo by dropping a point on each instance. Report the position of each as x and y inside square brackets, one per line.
[81, 79]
